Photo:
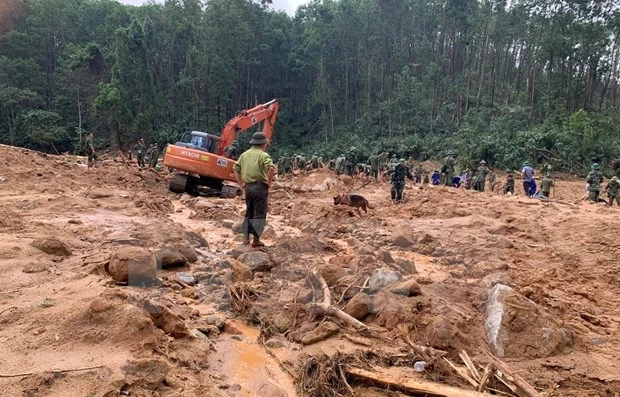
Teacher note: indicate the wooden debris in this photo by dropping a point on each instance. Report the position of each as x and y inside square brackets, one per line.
[462, 373]
[488, 372]
[412, 384]
[52, 371]
[470, 365]
[358, 340]
[518, 380]
[326, 307]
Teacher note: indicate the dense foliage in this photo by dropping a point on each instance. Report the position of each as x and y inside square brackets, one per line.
[531, 79]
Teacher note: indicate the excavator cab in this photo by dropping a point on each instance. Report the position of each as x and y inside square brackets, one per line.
[200, 141]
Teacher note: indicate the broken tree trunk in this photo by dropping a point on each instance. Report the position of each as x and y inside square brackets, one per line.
[326, 307]
[381, 377]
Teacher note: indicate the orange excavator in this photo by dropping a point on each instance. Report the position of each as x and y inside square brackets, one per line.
[202, 159]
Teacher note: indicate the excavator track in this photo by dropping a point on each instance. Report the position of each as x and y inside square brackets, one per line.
[178, 183]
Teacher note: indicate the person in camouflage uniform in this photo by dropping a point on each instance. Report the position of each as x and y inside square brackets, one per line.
[350, 161]
[448, 168]
[397, 176]
[419, 172]
[594, 179]
[613, 191]
[383, 160]
[481, 176]
[154, 158]
[300, 162]
[286, 165]
[546, 184]
[509, 184]
[314, 161]
[373, 160]
[90, 151]
[393, 162]
[140, 150]
[340, 164]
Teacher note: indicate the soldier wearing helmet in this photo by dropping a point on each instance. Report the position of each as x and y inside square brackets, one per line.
[594, 179]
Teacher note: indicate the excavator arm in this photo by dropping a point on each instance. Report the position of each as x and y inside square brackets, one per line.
[245, 119]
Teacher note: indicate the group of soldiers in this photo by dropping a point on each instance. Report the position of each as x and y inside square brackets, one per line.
[381, 165]
[298, 162]
[146, 155]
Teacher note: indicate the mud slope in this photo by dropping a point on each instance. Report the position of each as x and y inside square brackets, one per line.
[219, 321]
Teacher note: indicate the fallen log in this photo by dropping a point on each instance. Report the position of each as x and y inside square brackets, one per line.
[412, 384]
[326, 308]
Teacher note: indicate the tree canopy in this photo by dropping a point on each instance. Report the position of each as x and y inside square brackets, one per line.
[497, 80]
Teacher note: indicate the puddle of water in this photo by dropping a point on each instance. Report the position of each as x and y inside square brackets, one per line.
[246, 363]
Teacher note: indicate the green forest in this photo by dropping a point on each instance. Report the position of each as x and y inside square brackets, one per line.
[504, 81]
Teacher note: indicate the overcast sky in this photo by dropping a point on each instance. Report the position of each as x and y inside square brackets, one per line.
[290, 6]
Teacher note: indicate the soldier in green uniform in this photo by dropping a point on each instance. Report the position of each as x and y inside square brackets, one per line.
[481, 176]
[397, 176]
[448, 168]
[314, 161]
[300, 162]
[154, 156]
[546, 184]
[383, 160]
[140, 150]
[594, 179]
[393, 162]
[419, 172]
[613, 191]
[350, 161]
[373, 160]
[340, 169]
[90, 150]
[509, 185]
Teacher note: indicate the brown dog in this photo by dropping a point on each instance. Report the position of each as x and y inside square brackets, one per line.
[353, 200]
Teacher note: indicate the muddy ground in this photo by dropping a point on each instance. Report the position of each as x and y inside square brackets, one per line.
[207, 324]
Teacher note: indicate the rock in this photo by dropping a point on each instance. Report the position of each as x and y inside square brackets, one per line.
[188, 252]
[132, 265]
[385, 256]
[401, 240]
[98, 194]
[240, 271]
[211, 331]
[240, 250]
[34, 268]
[274, 343]
[186, 278]
[188, 292]
[228, 223]
[169, 257]
[442, 333]
[237, 227]
[493, 279]
[230, 328]
[359, 306]
[147, 373]
[215, 320]
[51, 246]
[197, 240]
[100, 305]
[269, 233]
[406, 265]
[322, 332]
[332, 273]
[407, 288]
[258, 261]
[382, 277]
[282, 322]
[166, 320]
[203, 204]
[515, 324]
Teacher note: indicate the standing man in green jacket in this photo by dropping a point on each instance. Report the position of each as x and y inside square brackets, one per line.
[448, 168]
[254, 172]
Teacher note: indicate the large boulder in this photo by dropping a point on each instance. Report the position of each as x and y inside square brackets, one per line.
[382, 277]
[170, 257]
[406, 265]
[359, 306]
[146, 373]
[406, 288]
[166, 320]
[51, 246]
[132, 265]
[402, 241]
[518, 327]
[188, 252]
[258, 261]
[240, 271]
